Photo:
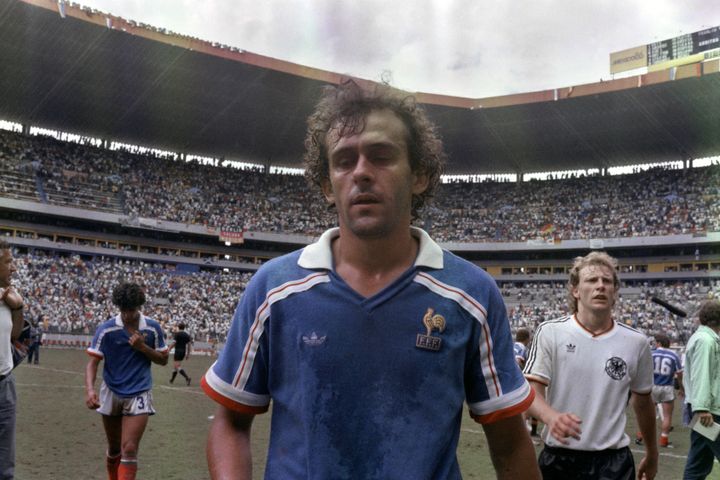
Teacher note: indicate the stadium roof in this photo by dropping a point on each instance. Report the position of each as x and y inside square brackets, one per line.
[83, 71]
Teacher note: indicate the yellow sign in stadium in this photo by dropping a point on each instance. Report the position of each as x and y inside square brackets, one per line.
[629, 59]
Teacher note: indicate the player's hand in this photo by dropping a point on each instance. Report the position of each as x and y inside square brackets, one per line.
[137, 340]
[12, 298]
[648, 468]
[565, 425]
[91, 400]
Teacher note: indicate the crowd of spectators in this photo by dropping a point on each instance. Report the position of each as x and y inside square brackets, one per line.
[646, 203]
[73, 295]
[533, 303]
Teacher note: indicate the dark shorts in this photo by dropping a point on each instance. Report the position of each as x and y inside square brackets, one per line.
[565, 464]
[179, 355]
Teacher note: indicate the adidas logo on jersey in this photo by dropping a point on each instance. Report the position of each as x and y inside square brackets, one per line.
[570, 348]
[313, 340]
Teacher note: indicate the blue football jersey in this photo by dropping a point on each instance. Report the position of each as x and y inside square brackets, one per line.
[126, 371]
[374, 387]
[520, 352]
[666, 364]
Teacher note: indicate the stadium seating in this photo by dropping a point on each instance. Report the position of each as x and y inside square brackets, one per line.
[206, 301]
[648, 203]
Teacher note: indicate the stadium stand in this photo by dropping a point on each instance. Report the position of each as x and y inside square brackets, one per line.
[649, 203]
[74, 295]
[533, 303]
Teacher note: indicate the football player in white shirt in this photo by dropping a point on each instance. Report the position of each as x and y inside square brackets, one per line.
[584, 367]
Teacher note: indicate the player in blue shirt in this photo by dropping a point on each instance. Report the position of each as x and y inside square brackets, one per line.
[369, 341]
[667, 367]
[522, 340]
[128, 343]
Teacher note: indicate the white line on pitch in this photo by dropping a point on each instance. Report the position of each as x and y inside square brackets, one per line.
[47, 385]
[663, 454]
[180, 389]
[72, 372]
[57, 370]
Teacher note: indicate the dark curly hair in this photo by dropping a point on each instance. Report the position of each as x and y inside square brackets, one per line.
[128, 296]
[345, 107]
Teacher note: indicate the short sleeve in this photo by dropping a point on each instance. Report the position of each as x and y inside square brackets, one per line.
[498, 389]
[160, 344]
[539, 365]
[643, 381]
[95, 348]
[238, 379]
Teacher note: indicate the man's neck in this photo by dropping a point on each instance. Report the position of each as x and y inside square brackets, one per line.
[595, 322]
[375, 255]
[132, 325]
[369, 265]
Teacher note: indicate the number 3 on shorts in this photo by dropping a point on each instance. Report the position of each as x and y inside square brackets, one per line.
[140, 402]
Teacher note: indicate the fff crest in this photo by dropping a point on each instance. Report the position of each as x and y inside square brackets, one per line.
[432, 322]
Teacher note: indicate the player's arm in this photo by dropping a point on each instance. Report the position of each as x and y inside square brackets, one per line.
[228, 446]
[701, 382]
[511, 449]
[561, 425]
[15, 303]
[18, 319]
[679, 377]
[137, 342]
[645, 413]
[678, 380]
[91, 398]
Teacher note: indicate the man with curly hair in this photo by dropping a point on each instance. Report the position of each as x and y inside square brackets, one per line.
[369, 341]
[128, 343]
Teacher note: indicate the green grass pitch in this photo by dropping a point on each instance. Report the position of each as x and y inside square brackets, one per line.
[58, 437]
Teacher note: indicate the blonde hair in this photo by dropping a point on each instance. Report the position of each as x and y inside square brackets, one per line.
[591, 259]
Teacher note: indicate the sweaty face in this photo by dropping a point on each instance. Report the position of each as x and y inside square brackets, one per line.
[596, 291]
[370, 179]
[7, 267]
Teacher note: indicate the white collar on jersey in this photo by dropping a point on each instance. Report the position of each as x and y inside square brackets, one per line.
[141, 325]
[319, 254]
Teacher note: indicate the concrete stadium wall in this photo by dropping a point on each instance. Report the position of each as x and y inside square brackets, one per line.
[82, 342]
